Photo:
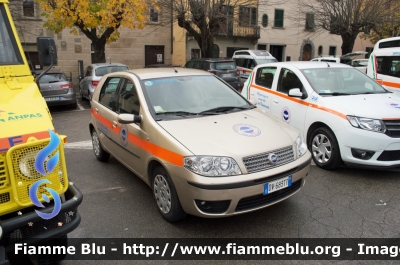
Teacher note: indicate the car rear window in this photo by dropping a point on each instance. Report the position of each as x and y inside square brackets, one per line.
[225, 65]
[53, 78]
[109, 69]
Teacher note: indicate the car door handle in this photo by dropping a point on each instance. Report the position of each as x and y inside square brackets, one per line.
[115, 124]
[276, 101]
[96, 109]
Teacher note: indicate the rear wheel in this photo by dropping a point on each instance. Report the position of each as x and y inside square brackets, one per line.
[98, 150]
[80, 93]
[325, 148]
[167, 200]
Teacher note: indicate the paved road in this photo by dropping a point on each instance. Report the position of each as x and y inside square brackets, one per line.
[349, 203]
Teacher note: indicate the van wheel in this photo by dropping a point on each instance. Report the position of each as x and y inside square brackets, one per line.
[167, 200]
[324, 148]
[98, 150]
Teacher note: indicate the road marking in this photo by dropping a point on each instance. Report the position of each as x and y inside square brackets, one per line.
[80, 145]
[313, 163]
[80, 106]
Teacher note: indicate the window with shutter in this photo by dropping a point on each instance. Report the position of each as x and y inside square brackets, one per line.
[278, 22]
[264, 21]
[153, 15]
[253, 16]
[309, 21]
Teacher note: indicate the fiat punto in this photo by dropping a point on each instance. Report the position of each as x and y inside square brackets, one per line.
[202, 148]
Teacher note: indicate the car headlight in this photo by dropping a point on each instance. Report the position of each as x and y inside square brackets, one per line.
[367, 124]
[212, 165]
[301, 146]
[27, 165]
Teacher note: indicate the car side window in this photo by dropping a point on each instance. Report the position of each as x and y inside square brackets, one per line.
[265, 76]
[107, 93]
[240, 62]
[198, 65]
[128, 101]
[288, 80]
[190, 64]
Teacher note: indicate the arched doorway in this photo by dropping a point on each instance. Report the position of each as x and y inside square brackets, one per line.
[215, 53]
[306, 53]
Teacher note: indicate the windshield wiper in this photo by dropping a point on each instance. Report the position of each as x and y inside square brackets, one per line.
[377, 92]
[336, 94]
[176, 113]
[222, 109]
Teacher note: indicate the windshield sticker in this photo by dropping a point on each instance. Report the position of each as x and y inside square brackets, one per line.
[246, 130]
[325, 92]
[148, 83]
[123, 133]
[158, 109]
[314, 97]
[396, 53]
[394, 105]
[286, 114]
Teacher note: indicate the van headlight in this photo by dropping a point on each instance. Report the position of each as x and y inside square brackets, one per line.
[367, 124]
[26, 165]
[301, 146]
[212, 165]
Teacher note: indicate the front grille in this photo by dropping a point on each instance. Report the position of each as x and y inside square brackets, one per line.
[23, 172]
[392, 128]
[262, 200]
[261, 162]
[389, 155]
[3, 170]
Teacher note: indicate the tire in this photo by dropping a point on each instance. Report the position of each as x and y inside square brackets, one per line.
[81, 94]
[98, 150]
[74, 105]
[325, 148]
[165, 195]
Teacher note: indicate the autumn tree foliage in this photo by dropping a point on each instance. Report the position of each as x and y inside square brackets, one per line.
[348, 18]
[99, 20]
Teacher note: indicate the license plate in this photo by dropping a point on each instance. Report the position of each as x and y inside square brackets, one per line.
[226, 75]
[277, 185]
[52, 99]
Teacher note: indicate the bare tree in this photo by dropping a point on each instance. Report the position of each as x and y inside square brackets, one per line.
[204, 19]
[348, 18]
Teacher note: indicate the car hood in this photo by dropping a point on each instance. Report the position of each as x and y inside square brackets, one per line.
[236, 134]
[377, 106]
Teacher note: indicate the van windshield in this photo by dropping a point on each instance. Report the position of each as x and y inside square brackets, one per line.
[341, 81]
[262, 61]
[9, 52]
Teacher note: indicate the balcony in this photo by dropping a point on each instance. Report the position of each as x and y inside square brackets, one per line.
[241, 32]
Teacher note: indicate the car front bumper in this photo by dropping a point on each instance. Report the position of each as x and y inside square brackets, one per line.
[234, 195]
[386, 149]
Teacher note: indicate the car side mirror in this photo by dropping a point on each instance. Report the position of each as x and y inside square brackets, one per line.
[253, 101]
[129, 118]
[295, 92]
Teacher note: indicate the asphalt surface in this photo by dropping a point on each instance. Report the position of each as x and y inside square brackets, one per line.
[345, 203]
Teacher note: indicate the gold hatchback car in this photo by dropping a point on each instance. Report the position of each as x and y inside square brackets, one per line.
[201, 147]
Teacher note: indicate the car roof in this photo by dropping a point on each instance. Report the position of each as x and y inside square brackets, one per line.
[307, 64]
[212, 59]
[108, 64]
[147, 73]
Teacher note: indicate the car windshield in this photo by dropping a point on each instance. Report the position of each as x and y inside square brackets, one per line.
[331, 81]
[9, 53]
[192, 95]
[262, 61]
[52, 78]
[109, 69]
[225, 66]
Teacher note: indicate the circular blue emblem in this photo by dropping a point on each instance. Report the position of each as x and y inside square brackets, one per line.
[246, 130]
[286, 114]
[273, 158]
[394, 105]
[123, 134]
[148, 83]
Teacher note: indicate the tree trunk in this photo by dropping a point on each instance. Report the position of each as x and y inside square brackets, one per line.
[348, 42]
[207, 45]
[99, 46]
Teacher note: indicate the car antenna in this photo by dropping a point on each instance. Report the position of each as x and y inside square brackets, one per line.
[328, 64]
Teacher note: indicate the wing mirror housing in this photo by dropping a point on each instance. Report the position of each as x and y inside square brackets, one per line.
[253, 101]
[296, 93]
[129, 118]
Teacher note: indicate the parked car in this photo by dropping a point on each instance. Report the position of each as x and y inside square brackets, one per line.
[161, 66]
[93, 74]
[225, 68]
[348, 58]
[201, 147]
[246, 60]
[57, 89]
[343, 114]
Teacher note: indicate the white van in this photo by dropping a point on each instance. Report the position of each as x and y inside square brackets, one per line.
[384, 67]
[246, 60]
[348, 58]
[387, 43]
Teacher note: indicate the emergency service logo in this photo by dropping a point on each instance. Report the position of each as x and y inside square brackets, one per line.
[246, 130]
[286, 114]
[12, 116]
[123, 133]
[45, 165]
[394, 105]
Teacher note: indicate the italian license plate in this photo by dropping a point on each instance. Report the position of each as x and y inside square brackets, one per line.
[277, 185]
[226, 75]
[52, 99]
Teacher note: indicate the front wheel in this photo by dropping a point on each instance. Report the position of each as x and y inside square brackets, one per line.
[166, 197]
[325, 148]
[98, 150]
